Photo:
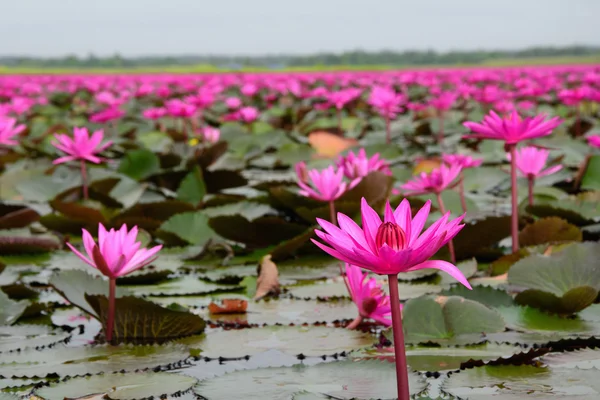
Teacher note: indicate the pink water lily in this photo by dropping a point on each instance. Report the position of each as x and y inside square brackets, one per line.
[368, 296]
[512, 129]
[463, 161]
[359, 165]
[107, 115]
[394, 245]
[116, 254]
[325, 185]
[9, 130]
[531, 162]
[81, 147]
[210, 134]
[594, 141]
[435, 181]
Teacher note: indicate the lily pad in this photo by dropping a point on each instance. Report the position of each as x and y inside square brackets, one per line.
[516, 383]
[564, 282]
[20, 337]
[580, 359]
[431, 319]
[341, 380]
[10, 310]
[310, 341]
[549, 230]
[120, 386]
[64, 361]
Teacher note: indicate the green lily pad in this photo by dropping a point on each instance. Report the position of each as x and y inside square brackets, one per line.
[580, 359]
[120, 386]
[341, 380]
[11, 310]
[486, 295]
[530, 319]
[549, 230]
[516, 383]
[591, 178]
[64, 361]
[287, 311]
[310, 341]
[139, 164]
[20, 337]
[565, 282]
[431, 319]
[183, 286]
[141, 321]
[191, 227]
[435, 358]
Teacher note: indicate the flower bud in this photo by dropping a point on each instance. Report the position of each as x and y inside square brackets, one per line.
[391, 234]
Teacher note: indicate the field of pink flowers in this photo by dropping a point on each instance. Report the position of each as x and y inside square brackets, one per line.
[347, 235]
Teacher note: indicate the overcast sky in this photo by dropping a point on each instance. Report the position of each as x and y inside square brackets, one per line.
[158, 27]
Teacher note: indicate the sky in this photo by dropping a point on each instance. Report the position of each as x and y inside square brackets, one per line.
[254, 27]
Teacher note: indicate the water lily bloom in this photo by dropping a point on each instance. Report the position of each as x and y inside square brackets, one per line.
[9, 130]
[116, 254]
[394, 245]
[368, 296]
[463, 161]
[82, 147]
[211, 134]
[179, 109]
[512, 129]
[327, 185]
[436, 181]
[154, 113]
[358, 166]
[107, 115]
[594, 141]
[233, 103]
[248, 114]
[530, 164]
[388, 104]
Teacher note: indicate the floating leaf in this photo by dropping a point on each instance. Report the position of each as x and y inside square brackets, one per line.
[13, 216]
[483, 294]
[580, 359]
[514, 383]
[78, 361]
[549, 230]
[140, 321]
[565, 282]
[20, 337]
[591, 177]
[342, 380]
[192, 188]
[139, 164]
[310, 341]
[120, 386]
[480, 234]
[192, 227]
[433, 319]
[10, 310]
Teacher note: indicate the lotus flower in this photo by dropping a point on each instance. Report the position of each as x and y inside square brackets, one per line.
[82, 147]
[358, 166]
[370, 300]
[248, 114]
[386, 101]
[154, 113]
[107, 115]
[327, 185]
[389, 247]
[8, 130]
[393, 246]
[211, 134]
[512, 129]
[116, 254]
[531, 162]
[463, 161]
[179, 109]
[435, 181]
[594, 141]
[233, 103]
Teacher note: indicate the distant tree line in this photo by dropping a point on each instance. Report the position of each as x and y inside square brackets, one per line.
[355, 57]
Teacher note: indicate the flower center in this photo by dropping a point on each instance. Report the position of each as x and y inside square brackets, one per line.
[369, 305]
[391, 234]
